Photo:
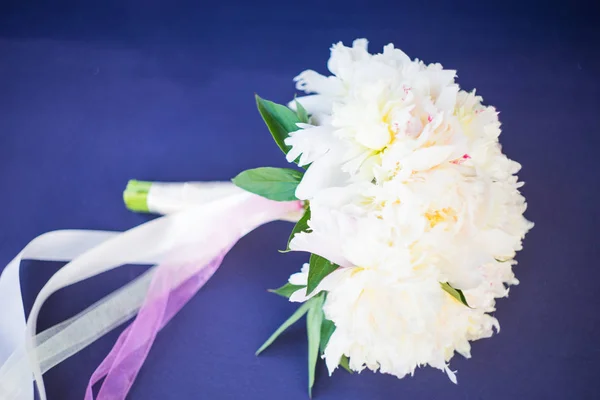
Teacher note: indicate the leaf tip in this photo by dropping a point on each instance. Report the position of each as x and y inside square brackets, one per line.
[260, 350]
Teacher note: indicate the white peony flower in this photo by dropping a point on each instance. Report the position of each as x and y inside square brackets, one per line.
[408, 189]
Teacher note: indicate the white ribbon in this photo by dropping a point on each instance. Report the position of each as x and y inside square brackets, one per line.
[90, 253]
[51, 246]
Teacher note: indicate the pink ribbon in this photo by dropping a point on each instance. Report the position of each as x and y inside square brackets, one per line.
[163, 302]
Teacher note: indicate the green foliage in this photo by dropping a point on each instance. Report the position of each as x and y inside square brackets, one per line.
[286, 290]
[279, 119]
[273, 183]
[319, 268]
[456, 293]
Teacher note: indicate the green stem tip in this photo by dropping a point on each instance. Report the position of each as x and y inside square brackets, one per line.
[135, 195]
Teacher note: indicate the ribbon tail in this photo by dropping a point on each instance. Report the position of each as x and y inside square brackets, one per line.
[185, 236]
[123, 363]
[172, 287]
[65, 245]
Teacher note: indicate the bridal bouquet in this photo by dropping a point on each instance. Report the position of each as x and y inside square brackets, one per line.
[409, 212]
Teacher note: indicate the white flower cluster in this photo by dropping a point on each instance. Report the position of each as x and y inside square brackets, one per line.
[408, 189]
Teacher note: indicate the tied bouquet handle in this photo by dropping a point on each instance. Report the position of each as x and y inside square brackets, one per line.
[402, 197]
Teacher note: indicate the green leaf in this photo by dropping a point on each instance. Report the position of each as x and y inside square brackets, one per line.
[286, 290]
[314, 318]
[327, 329]
[456, 293]
[301, 226]
[301, 112]
[319, 268]
[303, 309]
[345, 363]
[279, 119]
[273, 183]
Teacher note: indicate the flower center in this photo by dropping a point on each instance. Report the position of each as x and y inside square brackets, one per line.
[437, 216]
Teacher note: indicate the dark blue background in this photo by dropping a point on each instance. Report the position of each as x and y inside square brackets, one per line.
[95, 93]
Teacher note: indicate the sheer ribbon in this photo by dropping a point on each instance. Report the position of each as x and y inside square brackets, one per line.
[187, 245]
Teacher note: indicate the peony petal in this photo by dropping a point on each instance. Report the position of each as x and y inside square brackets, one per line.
[397, 55]
[309, 143]
[313, 104]
[342, 57]
[334, 351]
[300, 278]
[451, 375]
[329, 282]
[310, 81]
[321, 244]
[324, 172]
[299, 296]
[447, 98]
[427, 158]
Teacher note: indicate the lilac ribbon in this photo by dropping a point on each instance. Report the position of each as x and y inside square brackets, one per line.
[163, 302]
[123, 363]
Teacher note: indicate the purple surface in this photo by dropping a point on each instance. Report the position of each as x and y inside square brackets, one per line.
[95, 93]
